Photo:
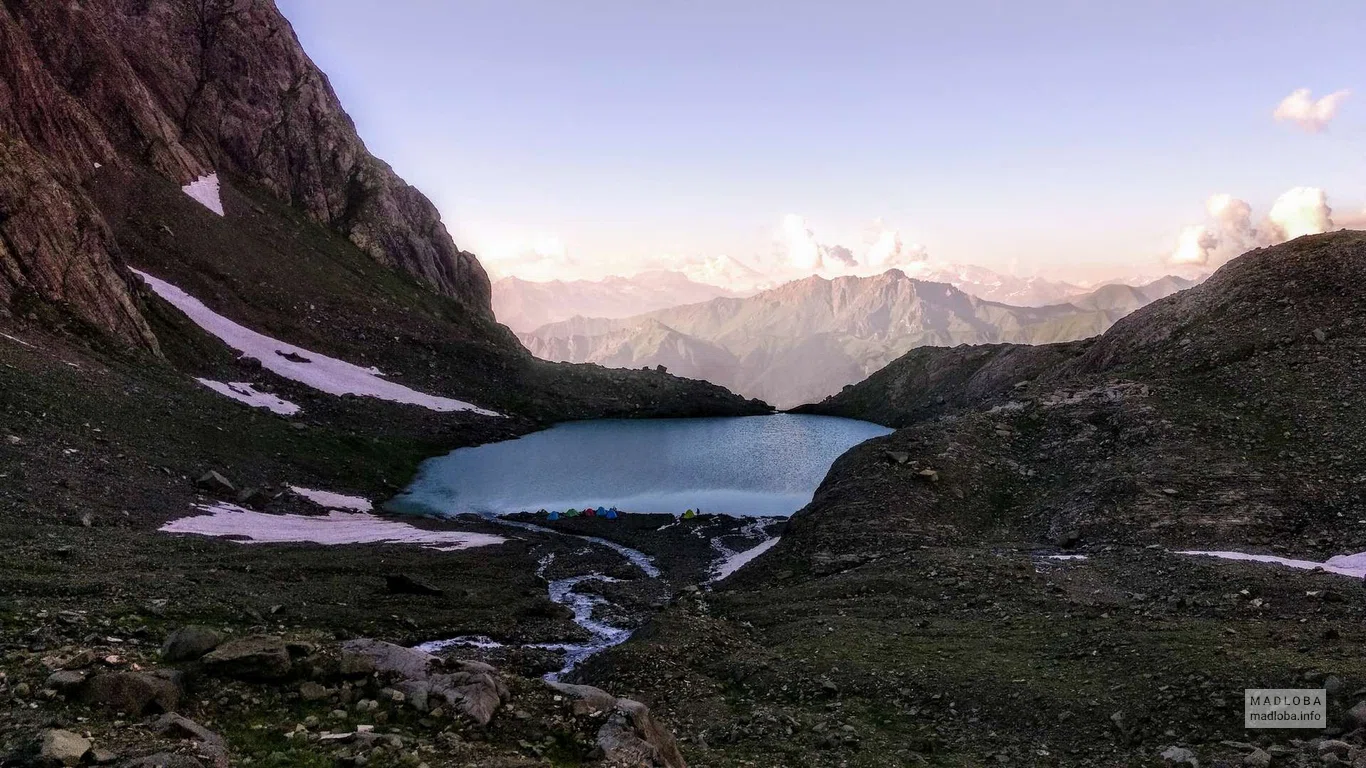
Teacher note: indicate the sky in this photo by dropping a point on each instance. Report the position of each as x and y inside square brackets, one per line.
[1067, 139]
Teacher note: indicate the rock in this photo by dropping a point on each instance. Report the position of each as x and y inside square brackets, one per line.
[1334, 747]
[133, 693]
[1320, 335]
[473, 690]
[1180, 756]
[63, 747]
[379, 656]
[1258, 758]
[215, 483]
[629, 736]
[256, 498]
[929, 474]
[311, 691]
[897, 457]
[180, 727]
[65, 681]
[1069, 539]
[190, 643]
[1355, 717]
[251, 658]
[293, 357]
[403, 584]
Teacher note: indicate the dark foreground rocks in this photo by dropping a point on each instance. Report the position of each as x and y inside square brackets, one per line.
[286, 701]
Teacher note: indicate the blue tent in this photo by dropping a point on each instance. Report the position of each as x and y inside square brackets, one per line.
[554, 515]
[610, 514]
[602, 512]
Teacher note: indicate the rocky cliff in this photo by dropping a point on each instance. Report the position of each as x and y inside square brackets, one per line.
[228, 90]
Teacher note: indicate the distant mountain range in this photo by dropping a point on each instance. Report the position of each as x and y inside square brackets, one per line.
[523, 305]
[807, 339]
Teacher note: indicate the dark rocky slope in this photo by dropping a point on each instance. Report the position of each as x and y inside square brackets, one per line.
[228, 89]
[910, 612]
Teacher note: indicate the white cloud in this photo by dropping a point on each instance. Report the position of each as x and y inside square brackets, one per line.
[1300, 211]
[1230, 230]
[1310, 114]
[1193, 246]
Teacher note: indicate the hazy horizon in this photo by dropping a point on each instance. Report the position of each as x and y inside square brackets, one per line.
[1067, 140]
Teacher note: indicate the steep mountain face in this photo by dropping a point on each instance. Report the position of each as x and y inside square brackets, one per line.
[524, 305]
[229, 90]
[804, 340]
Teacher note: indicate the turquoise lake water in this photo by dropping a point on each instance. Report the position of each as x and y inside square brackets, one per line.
[752, 465]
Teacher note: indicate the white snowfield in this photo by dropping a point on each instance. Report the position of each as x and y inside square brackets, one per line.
[205, 190]
[1343, 565]
[330, 500]
[244, 392]
[739, 559]
[250, 527]
[320, 372]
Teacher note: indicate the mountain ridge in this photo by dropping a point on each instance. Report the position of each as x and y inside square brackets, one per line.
[844, 328]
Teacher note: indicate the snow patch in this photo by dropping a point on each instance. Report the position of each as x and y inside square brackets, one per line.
[17, 341]
[1343, 565]
[249, 527]
[1065, 557]
[244, 392]
[320, 372]
[331, 500]
[205, 190]
[736, 561]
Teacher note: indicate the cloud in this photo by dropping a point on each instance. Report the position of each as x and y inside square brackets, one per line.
[1230, 230]
[1308, 113]
[1300, 211]
[1193, 246]
[797, 244]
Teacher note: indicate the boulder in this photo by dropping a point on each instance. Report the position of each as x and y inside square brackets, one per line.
[1355, 717]
[629, 736]
[61, 747]
[133, 693]
[251, 658]
[473, 689]
[379, 656]
[209, 744]
[190, 643]
[215, 483]
[403, 584]
[311, 691]
[65, 681]
[469, 687]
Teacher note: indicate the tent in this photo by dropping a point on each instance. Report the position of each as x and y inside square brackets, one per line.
[610, 514]
[602, 512]
[571, 512]
[590, 512]
[689, 515]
